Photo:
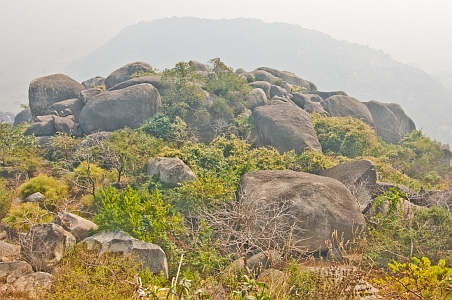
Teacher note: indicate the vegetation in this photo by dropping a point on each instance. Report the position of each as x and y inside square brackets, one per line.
[103, 178]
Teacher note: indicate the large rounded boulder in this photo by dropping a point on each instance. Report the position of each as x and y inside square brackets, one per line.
[285, 127]
[45, 91]
[114, 110]
[308, 206]
[345, 106]
[126, 72]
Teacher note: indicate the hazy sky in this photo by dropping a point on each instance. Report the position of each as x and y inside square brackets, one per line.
[45, 35]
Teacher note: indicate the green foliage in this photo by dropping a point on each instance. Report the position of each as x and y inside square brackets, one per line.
[419, 157]
[53, 189]
[63, 146]
[17, 150]
[23, 216]
[226, 84]
[417, 280]
[161, 126]
[138, 213]
[183, 89]
[89, 176]
[399, 234]
[345, 136]
[251, 289]
[5, 198]
[310, 160]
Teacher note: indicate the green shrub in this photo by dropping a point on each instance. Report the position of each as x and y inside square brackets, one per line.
[345, 136]
[5, 198]
[53, 189]
[23, 216]
[161, 126]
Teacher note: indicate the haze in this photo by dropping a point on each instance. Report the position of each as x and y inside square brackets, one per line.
[39, 38]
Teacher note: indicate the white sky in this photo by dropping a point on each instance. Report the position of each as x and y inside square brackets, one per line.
[45, 35]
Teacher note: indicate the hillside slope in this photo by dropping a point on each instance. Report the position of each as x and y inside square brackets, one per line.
[364, 73]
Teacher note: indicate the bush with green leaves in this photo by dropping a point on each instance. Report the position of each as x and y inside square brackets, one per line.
[23, 216]
[55, 190]
[401, 233]
[161, 126]
[345, 136]
[5, 198]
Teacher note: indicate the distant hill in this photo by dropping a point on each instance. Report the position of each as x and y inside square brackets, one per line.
[363, 73]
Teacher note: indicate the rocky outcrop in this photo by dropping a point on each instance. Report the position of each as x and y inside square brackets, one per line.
[326, 95]
[70, 107]
[150, 255]
[359, 176]
[23, 117]
[33, 284]
[256, 98]
[79, 227]
[391, 122]
[9, 252]
[171, 170]
[311, 107]
[9, 271]
[151, 79]
[285, 127]
[320, 205]
[126, 72]
[43, 127]
[86, 95]
[94, 82]
[344, 106]
[35, 198]
[115, 110]
[44, 245]
[265, 86]
[290, 77]
[45, 91]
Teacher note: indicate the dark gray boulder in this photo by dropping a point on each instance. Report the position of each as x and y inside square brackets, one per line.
[66, 125]
[66, 107]
[406, 125]
[300, 99]
[152, 79]
[285, 127]
[94, 82]
[171, 170]
[290, 77]
[279, 92]
[126, 72]
[13, 269]
[265, 86]
[256, 98]
[44, 245]
[8, 252]
[45, 127]
[261, 75]
[344, 106]
[114, 110]
[320, 206]
[386, 123]
[311, 107]
[36, 198]
[23, 117]
[200, 66]
[150, 255]
[359, 176]
[45, 91]
[86, 95]
[325, 95]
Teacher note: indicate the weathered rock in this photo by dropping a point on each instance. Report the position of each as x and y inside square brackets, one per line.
[290, 78]
[126, 72]
[325, 95]
[285, 127]
[151, 256]
[277, 91]
[6, 117]
[406, 125]
[23, 117]
[44, 245]
[45, 91]
[67, 107]
[256, 98]
[240, 71]
[261, 75]
[151, 79]
[79, 227]
[248, 76]
[200, 66]
[46, 128]
[9, 271]
[319, 205]
[64, 124]
[386, 123]
[9, 252]
[280, 100]
[34, 283]
[300, 99]
[171, 170]
[35, 197]
[265, 86]
[93, 138]
[359, 176]
[44, 118]
[94, 82]
[9, 235]
[115, 110]
[86, 95]
[344, 106]
[311, 107]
